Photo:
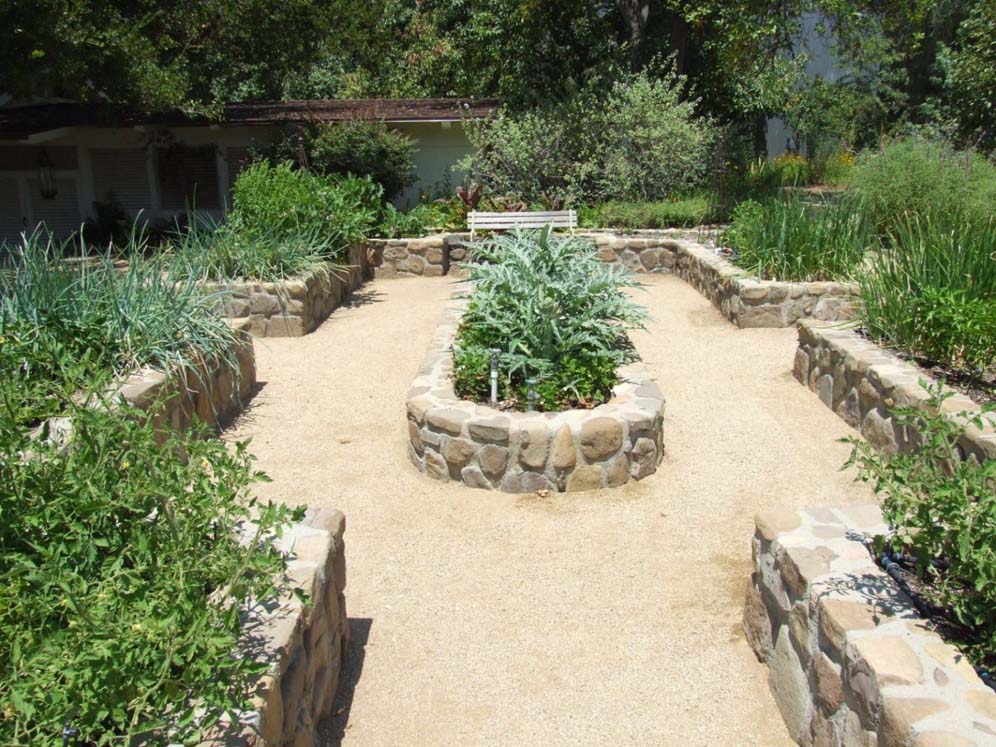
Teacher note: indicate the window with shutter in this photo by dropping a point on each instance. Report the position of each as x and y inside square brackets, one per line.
[11, 212]
[61, 214]
[121, 174]
[188, 177]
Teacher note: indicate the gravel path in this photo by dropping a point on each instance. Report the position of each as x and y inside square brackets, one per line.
[606, 618]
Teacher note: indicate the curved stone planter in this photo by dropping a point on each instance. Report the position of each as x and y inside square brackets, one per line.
[519, 452]
[861, 382]
[849, 660]
[303, 643]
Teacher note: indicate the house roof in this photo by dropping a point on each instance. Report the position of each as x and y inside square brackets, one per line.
[19, 122]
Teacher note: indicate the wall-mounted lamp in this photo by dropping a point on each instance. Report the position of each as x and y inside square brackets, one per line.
[46, 177]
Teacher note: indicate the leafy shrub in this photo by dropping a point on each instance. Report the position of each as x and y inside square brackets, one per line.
[693, 211]
[932, 290]
[920, 177]
[368, 149]
[792, 170]
[533, 155]
[93, 318]
[786, 239]
[940, 508]
[641, 141]
[653, 144]
[555, 313]
[838, 167]
[278, 202]
[122, 579]
[121, 576]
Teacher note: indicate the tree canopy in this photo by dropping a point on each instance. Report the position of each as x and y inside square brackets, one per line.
[904, 60]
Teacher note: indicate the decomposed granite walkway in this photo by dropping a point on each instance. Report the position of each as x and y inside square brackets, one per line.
[607, 618]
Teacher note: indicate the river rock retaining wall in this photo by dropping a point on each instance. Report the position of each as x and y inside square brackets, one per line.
[302, 642]
[295, 306]
[213, 392]
[850, 663]
[746, 301]
[522, 452]
[429, 256]
[861, 382]
[749, 302]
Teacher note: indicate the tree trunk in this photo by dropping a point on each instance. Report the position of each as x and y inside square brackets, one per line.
[635, 13]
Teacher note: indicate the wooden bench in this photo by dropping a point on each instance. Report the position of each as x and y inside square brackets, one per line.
[477, 221]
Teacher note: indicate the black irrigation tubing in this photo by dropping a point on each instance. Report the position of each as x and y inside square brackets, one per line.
[889, 562]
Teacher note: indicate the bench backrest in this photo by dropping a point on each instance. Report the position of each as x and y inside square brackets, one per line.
[478, 221]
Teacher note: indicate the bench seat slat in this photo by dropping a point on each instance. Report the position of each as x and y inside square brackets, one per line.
[553, 218]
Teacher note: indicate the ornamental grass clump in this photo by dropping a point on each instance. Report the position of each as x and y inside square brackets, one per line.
[931, 291]
[788, 239]
[84, 319]
[556, 314]
[941, 511]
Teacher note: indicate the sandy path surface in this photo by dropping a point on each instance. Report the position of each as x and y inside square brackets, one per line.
[607, 618]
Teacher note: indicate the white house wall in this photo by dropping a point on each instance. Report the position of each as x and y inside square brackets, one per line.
[440, 146]
[121, 161]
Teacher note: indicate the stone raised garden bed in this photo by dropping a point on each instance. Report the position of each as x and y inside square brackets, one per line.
[302, 642]
[296, 306]
[520, 452]
[745, 301]
[212, 392]
[860, 382]
[849, 660]
[749, 302]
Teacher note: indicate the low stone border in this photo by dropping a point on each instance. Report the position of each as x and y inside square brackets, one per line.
[211, 392]
[427, 256]
[849, 660]
[519, 452]
[296, 306]
[303, 643]
[745, 301]
[861, 382]
[749, 302]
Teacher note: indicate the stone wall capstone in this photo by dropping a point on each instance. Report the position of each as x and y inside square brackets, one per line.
[522, 452]
[861, 382]
[850, 663]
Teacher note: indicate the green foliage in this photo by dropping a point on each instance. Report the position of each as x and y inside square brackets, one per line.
[98, 319]
[972, 75]
[920, 177]
[693, 211]
[827, 119]
[280, 202]
[423, 219]
[640, 141]
[223, 252]
[122, 579]
[537, 155]
[652, 143]
[787, 239]
[158, 55]
[941, 508]
[555, 313]
[932, 290]
[368, 149]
